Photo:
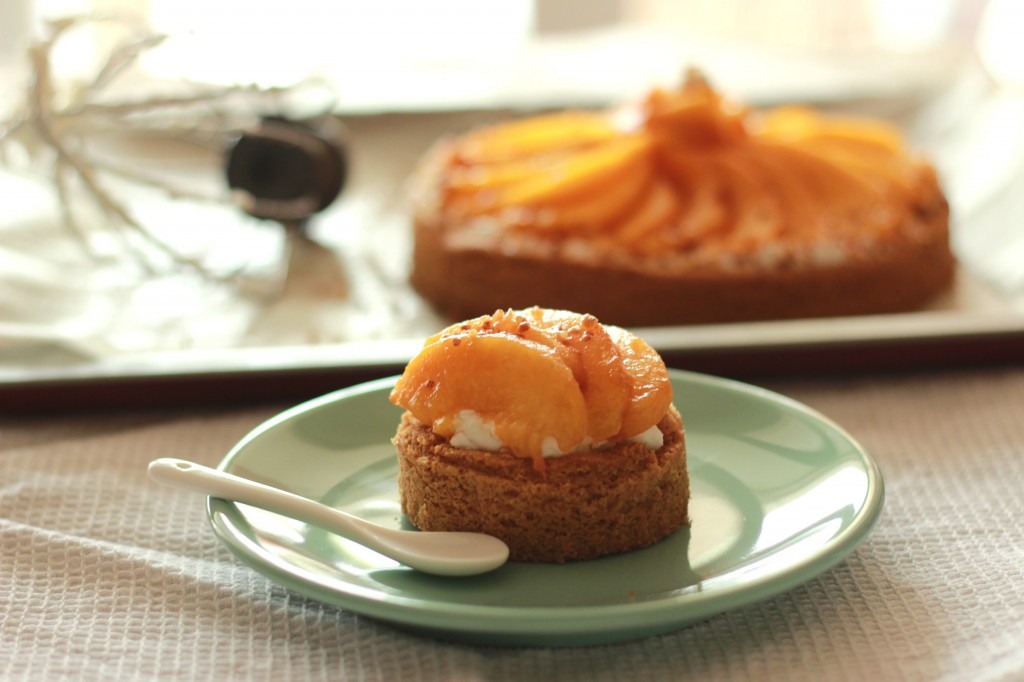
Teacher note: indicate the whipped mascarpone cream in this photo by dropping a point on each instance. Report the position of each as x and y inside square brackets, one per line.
[475, 433]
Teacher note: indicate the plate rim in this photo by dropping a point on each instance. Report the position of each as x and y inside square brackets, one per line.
[654, 615]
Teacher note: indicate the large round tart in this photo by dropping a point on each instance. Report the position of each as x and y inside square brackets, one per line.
[682, 208]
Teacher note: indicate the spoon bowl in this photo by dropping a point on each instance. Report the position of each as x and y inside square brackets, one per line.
[438, 553]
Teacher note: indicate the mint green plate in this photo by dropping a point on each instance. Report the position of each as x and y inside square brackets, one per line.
[779, 495]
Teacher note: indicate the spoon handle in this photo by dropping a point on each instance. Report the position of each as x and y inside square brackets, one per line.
[181, 473]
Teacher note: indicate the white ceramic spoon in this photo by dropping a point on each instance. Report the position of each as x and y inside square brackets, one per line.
[451, 554]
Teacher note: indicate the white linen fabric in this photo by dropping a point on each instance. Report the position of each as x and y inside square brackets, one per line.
[106, 576]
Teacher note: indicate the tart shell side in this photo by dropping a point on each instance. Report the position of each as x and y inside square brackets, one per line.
[582, 506]
[464, 278]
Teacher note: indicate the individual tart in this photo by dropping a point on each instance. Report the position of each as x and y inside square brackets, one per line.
[545, 429]
[680, 208]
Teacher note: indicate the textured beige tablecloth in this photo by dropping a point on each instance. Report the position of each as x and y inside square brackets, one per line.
[106, 576]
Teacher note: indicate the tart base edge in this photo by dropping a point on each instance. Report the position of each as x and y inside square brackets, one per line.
[583, 506]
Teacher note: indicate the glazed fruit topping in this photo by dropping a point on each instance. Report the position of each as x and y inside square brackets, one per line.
[683, 169]
[549, 381]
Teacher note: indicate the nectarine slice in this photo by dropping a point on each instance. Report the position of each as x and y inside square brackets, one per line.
[798, 205]
[602, 378]
[659, 206]
[695, 125]
[528, 325]
[796, 123]
[580, 343]
[755, 212]
[579, 174]
[594, 212]
[519, 386]
[823, 177]
[878, 169]
[705, 213]
[651, 389]
[530, 136]
[694, 116]
[478, 178]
